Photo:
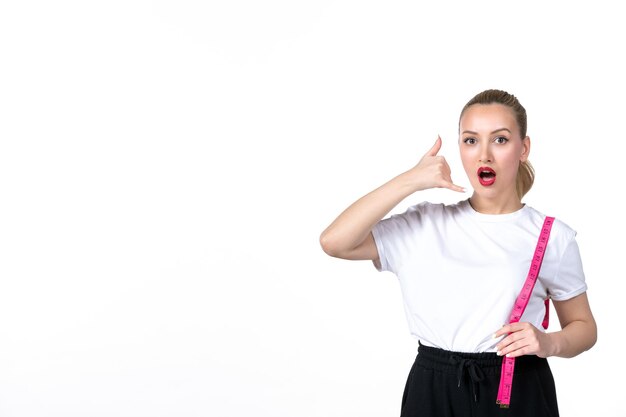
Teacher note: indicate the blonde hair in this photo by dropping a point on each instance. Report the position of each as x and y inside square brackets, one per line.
[525, 172]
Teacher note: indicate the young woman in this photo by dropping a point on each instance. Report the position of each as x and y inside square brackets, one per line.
[462, 266]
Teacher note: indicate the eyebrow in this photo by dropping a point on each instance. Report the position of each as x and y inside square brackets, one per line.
[495, 131]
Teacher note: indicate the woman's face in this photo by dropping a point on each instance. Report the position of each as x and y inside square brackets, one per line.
[491, 149]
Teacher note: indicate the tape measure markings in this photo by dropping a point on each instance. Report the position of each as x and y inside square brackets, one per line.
[508, 364]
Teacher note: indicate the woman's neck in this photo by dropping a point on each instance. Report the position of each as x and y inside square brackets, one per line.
[495, 205]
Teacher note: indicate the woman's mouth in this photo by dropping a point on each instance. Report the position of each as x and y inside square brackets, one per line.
[486, 176]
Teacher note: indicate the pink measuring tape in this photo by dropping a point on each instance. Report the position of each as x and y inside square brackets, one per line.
[508, 364]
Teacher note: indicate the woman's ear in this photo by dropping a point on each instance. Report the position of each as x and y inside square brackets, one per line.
[525, 149]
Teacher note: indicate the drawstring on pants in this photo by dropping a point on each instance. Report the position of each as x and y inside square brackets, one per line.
[475, 372]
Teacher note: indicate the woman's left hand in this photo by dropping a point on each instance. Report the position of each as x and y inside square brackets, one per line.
[524, 339]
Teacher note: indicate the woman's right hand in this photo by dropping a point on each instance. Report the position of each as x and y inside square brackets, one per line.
[350, 235]
[432, 171]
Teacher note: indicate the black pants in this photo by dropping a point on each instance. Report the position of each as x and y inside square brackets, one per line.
[452, 384]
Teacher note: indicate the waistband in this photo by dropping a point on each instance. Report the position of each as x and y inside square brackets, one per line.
[476, 365]
[489, 362]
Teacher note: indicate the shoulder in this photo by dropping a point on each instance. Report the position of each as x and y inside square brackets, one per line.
[433, 211]
[561, 233]
[418, 223]
[439, 208]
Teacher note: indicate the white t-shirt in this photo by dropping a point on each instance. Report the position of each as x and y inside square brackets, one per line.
[460, 271]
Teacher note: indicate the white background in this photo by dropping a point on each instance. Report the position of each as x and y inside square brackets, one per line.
[166, 169]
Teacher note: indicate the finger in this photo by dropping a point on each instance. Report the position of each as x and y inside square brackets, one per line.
[454, 187]
[514, 350]
[517, 343]
[509, 340]
[502, 331]
[447, 179]
[509, 328]
[436, 147]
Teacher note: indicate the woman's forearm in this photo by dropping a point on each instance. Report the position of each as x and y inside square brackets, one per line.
[353, 225]
[575, 338]
[579, 330]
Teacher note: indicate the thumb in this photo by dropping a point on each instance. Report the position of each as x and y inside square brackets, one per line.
[436, 147]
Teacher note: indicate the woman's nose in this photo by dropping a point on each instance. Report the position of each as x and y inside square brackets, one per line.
[485, 157]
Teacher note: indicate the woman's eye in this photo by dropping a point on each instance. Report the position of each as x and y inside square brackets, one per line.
[500, 139]
[470, 141]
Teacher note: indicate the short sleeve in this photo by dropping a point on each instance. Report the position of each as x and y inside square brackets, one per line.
[569, 280]
[393, 237]
[382, 232]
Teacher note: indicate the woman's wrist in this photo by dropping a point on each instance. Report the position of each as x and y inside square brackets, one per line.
[408, 182]
[556, 343]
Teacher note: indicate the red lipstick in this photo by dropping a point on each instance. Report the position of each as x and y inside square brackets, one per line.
[486, 176]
